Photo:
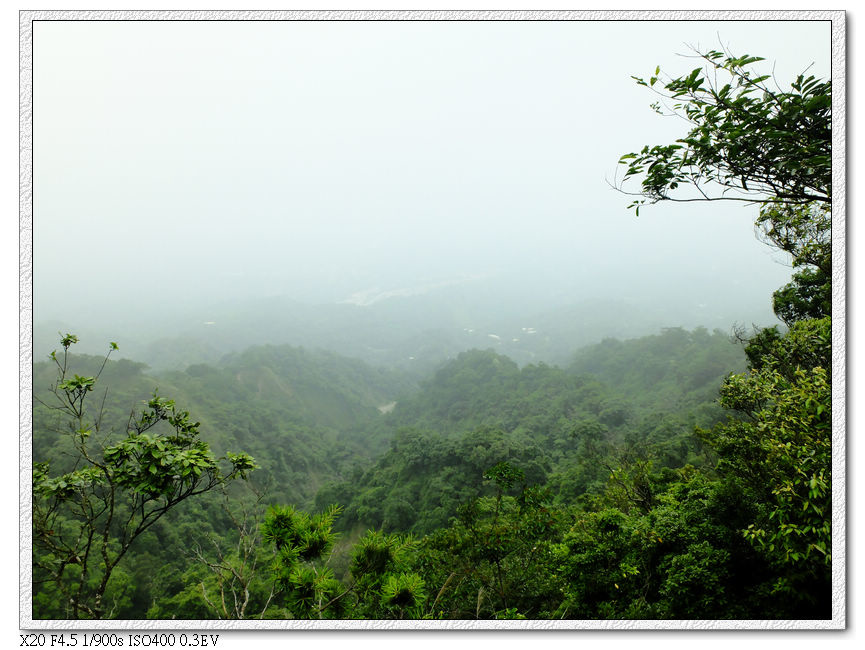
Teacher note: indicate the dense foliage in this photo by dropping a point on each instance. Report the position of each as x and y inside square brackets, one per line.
[557, 426]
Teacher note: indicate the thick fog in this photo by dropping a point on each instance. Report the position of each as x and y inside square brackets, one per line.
[180, 166]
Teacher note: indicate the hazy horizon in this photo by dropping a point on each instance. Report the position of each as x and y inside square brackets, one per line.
[180, 165]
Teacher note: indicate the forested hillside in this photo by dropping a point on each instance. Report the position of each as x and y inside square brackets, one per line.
[557, 426]
[306, 416]
[312, 424]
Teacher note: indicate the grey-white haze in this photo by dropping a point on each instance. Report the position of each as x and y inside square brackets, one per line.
[182, 164]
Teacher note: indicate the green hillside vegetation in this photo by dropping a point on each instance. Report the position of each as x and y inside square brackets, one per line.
[585, 446]
[481, 409]
[675, 367]
[307, 415]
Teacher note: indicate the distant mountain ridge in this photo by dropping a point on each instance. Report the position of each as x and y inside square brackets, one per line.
[413, 332]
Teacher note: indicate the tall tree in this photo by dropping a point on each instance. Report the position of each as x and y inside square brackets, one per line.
[753, 143]
[86, 520]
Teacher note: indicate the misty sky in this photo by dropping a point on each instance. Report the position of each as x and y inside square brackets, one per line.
[196, 160]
